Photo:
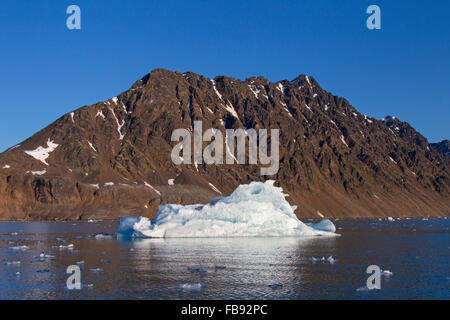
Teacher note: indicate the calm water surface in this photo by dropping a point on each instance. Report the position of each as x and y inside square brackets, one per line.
[415, 250]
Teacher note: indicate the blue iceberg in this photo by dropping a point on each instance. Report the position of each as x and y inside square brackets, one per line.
[258, 209]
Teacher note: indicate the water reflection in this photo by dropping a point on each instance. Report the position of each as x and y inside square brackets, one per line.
[224, 268]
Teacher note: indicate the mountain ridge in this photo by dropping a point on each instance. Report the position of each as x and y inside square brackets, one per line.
[112, 158]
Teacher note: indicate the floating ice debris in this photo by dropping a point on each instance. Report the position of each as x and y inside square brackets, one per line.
[189, 286]
[96, 270]
[387, 273]
[330, 260]
[18, 274]
[43, 271]
[19, 248]
[90, 221]
[61, 247]
[275, 286]
[314, 260]
[362, 289]
[200, 270]
[102, 236]
[255, 209]
[390, 219]
[15, 263]
[14, 234]
[324, 225]
[79, 262]
[219, 267]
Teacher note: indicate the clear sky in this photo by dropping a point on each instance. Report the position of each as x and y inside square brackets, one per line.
[47, 70]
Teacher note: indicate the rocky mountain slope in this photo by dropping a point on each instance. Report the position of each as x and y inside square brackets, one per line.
[113, 158]
[443, 146]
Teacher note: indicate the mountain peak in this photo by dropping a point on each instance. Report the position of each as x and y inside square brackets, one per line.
[114, 158]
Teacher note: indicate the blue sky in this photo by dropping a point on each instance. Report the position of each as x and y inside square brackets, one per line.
[47, 70]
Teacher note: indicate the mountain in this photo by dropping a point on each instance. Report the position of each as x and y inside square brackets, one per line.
[113, 158]
[443, 146]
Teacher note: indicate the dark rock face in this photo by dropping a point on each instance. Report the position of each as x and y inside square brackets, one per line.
[443, 146]
[113, 158]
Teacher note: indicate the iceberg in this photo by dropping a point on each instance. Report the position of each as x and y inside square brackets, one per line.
[324, 225]
[258, 209]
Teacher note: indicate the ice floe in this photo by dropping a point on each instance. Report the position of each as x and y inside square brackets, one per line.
[329, 260]
[387, 273]
[191, 286]
[253, 210]
[102, 236]
[61, 247]
[19, 248]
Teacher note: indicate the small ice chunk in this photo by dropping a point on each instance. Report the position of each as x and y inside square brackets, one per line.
[19, 248]
[96, 270]
[200, 270]
[191, 287]
[217, 267]
[387, 273]
[102, 236]
[324, 225]
[331, 260]
[61, 247]
[362, 289]
[170, 182]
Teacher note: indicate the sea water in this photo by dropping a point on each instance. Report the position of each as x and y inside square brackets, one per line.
[34, 257]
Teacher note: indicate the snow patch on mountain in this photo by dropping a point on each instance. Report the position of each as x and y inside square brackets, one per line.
[42, 153]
